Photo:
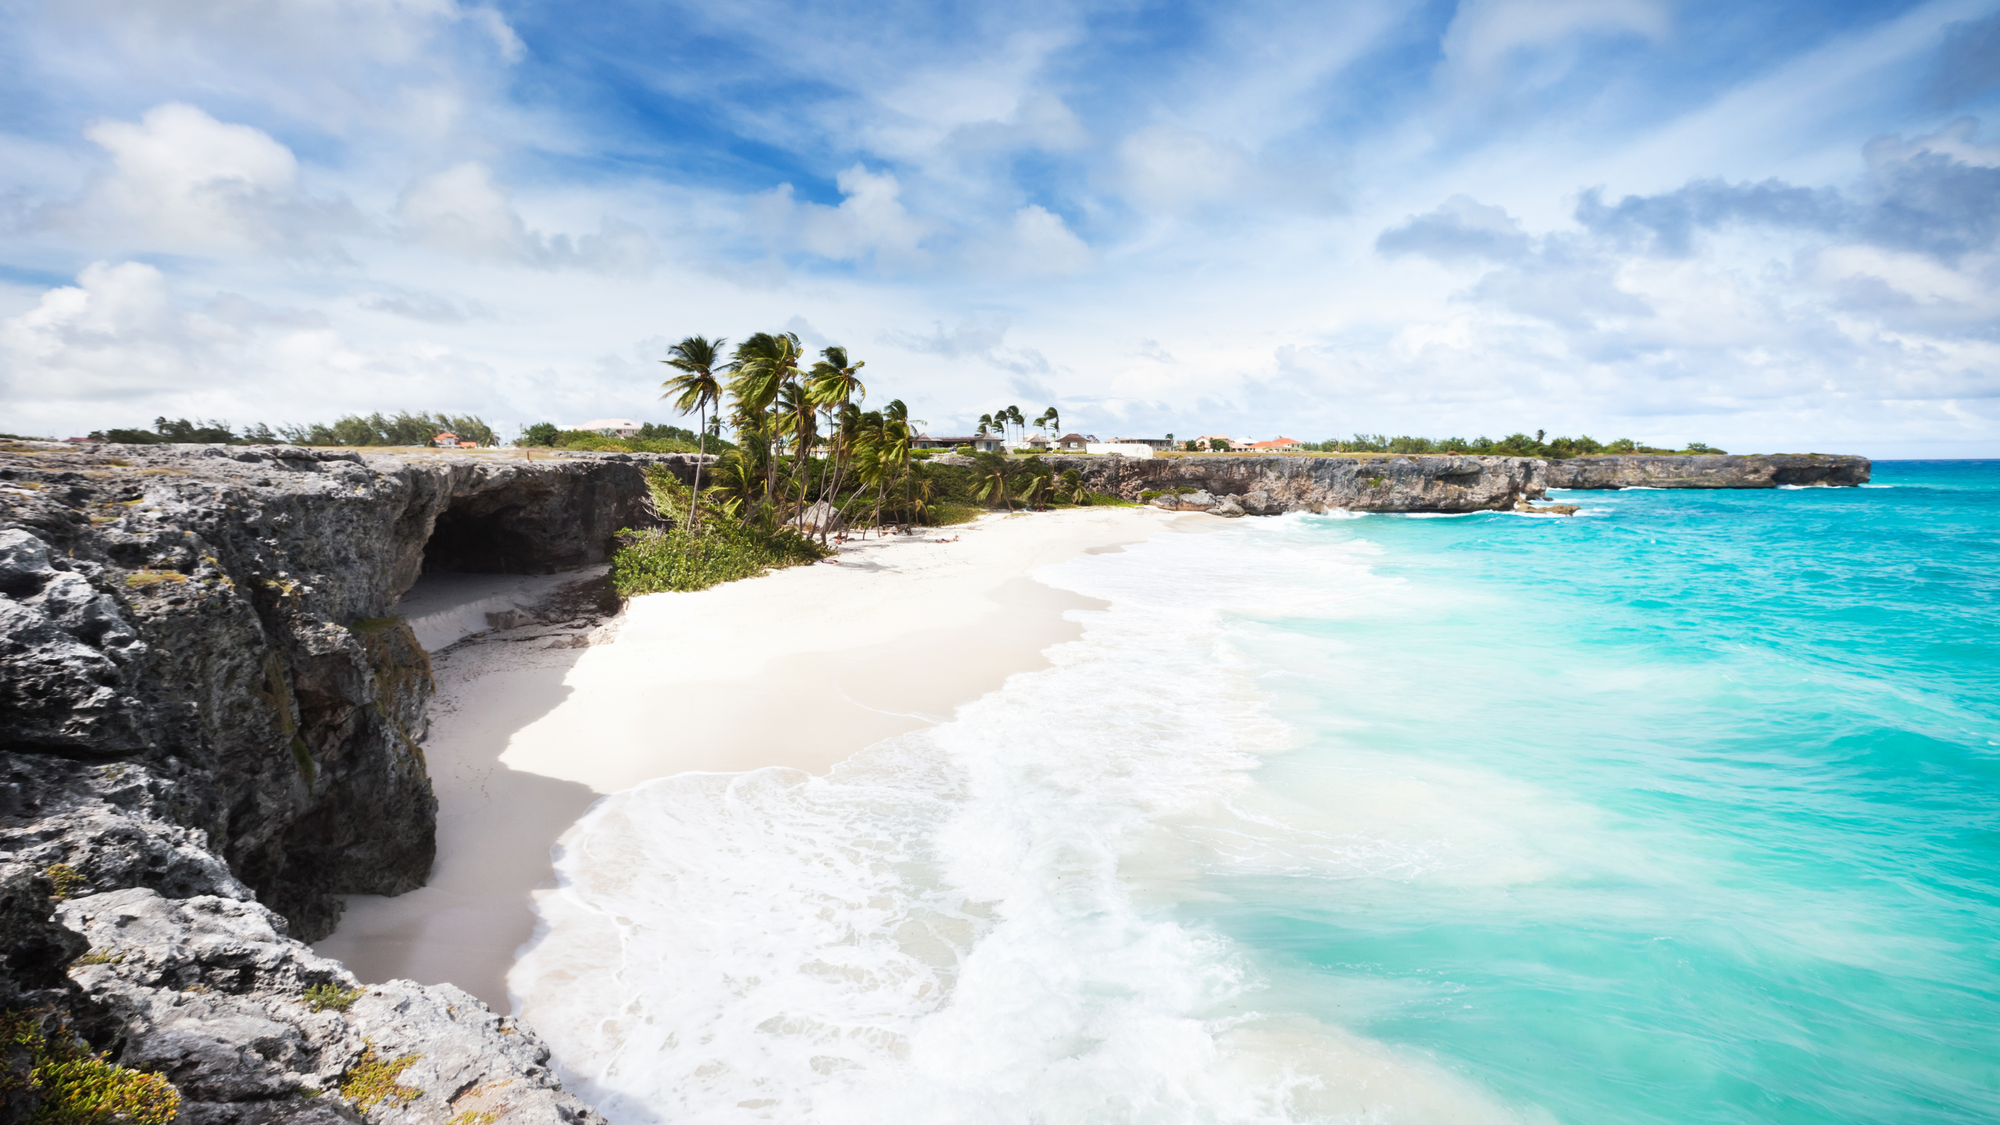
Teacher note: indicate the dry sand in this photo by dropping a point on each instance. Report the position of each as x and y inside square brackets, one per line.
[800, 668]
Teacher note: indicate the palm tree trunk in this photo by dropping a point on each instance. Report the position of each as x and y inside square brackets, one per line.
[702, 445]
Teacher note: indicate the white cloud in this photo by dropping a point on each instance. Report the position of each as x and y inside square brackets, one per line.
[1169, 168]
[464, 212]
[870, 222]
[1484, 33]
[185, 182]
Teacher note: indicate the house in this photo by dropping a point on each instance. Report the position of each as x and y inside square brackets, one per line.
[1039, 443]
[1205, 442]
[980, 443]
[1276, 445]
[609, 427]
[468, 445]
[446, 440]
[1073, 443]
[1156, 444]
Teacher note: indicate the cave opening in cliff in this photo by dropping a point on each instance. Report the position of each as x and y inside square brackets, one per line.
[484, 540]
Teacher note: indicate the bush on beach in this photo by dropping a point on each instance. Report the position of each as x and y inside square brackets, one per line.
[721, 549]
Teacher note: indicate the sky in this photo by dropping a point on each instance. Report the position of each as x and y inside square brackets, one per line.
[1771, 227]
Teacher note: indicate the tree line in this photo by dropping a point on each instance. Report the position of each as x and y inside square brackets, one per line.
[1513, 445]
[403, 428]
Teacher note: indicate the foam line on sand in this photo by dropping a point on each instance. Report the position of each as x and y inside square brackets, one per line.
[800, 668]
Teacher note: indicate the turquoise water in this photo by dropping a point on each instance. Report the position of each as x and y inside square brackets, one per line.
[1710, 784]
[1686, 809]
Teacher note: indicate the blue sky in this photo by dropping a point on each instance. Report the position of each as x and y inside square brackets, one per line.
[1764, 226]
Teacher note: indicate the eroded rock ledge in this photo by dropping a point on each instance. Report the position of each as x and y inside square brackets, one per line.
[1239, 485]
[210, 727]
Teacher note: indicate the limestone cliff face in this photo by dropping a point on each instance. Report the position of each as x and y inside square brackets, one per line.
[201, 693]
[1388, 483]
[1639, 470]
[1237, 485]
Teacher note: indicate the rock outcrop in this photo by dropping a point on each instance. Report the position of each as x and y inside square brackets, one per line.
[204, 700]
[1269, 485]
[1640, 470]
[1235, 485]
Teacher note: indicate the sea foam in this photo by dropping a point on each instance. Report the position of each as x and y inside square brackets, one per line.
[974, 922]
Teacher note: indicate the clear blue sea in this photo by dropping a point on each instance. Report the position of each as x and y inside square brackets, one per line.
[1686, 809]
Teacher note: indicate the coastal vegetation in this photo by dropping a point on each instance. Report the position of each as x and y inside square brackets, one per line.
[400, 429]
[1513, 445]
[808, 464]
[69, 1085]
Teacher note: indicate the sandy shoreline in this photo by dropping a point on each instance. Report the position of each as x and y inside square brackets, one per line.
[800, 668]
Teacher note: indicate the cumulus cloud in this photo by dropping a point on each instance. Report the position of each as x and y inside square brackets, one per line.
[1460, 229]
[185, 182]
[464, 212]
[870, 222]
[1937, 194]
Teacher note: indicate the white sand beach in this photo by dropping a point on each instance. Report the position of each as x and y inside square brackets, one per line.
[800, 668]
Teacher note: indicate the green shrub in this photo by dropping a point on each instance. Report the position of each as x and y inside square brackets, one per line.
[373, 1079]
[75, 1087]
[651, 562]
[1110, 500]
[321, 997]
[68, 880]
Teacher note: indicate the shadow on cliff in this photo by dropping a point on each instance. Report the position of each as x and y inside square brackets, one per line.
[497, 827]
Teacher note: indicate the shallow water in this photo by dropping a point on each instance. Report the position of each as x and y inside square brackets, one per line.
[1686, 809]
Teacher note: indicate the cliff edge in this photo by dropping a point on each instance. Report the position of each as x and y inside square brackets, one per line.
[210, 727]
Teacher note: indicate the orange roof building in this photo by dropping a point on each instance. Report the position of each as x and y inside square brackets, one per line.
[1277, 444]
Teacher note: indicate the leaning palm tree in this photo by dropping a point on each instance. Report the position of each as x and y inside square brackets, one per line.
[798, 417]
[763, 364]
[993, 477]
[986, 423]
[836, 387]
[1051, 419]
[1015, 416]
[695, 390]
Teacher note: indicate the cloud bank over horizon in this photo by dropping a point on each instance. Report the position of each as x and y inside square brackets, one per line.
[1764, 226]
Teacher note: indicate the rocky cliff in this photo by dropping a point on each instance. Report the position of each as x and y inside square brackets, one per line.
[1232, 484]
[210, 725]
[1267, 485]
[1638, 470]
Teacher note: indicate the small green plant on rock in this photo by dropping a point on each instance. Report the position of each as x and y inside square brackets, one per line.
[325, 997]
[372, 1079]
[73, 1086]
[68, 880]
[98, 957]
[475, 1117]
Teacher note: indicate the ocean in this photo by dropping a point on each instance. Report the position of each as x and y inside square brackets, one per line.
[1685, 809]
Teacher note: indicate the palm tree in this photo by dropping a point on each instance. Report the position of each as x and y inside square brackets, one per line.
[986, 422]
[1070, 487]
[798, 419]
[836, 387]
[993, 473]
[1051, 419]
[696, 389]
[763, 364]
